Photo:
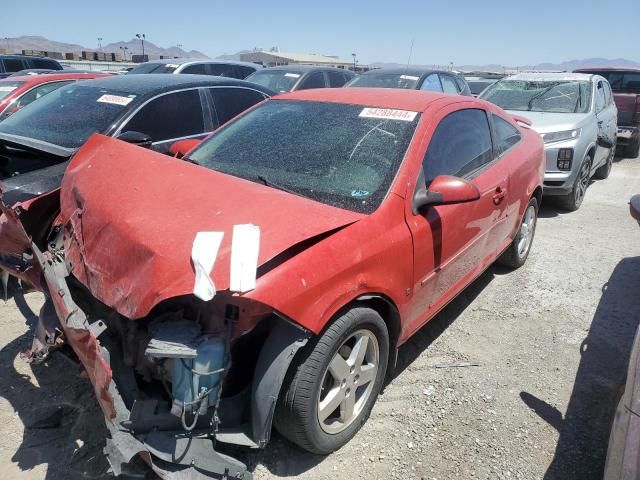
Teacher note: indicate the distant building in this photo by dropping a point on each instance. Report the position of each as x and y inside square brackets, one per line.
[274, 57]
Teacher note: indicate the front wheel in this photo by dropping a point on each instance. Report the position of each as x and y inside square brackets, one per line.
[573, 201]
[333, 384]
[633, 149]
[518, 251]
[603, 172]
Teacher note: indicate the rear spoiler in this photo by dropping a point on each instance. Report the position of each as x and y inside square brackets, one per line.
[522, 121]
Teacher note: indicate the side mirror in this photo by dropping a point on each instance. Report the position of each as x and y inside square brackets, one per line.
[445, 190]
[136, 138]
[634, 207]
[604, 142]
[180, 148]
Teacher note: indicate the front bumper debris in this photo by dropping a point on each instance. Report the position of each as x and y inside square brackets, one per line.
[172, 455]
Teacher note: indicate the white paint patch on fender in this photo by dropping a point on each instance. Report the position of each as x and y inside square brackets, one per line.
[244, 257]
[203, 254]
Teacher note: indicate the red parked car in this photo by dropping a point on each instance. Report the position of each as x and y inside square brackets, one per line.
[17, 92]
[271, 277]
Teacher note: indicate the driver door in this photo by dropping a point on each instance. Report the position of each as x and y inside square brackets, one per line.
[454, 243]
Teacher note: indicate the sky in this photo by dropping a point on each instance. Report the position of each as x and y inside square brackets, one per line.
[510, 33]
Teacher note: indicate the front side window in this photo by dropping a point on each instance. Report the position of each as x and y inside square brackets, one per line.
[432, 83]
[170, 116]
[449, 85]
[506, 134]
[601, 99]
[336, 79]
[45, 63]
[220, 70]
[242, 72]
[553, 96]
[342, 155]
[197, 69]
[313, 80]
[13, 65]
[460, 145]
[230, 101]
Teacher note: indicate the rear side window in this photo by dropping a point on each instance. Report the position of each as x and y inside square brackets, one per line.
[314, 80]
[336, 79]
[13, 65]
[449, 85]
[197, 69]
[506, 134]
[169, 117]
[220, 70]
[243, 72]
[432, 83]
[45, 63]
[229, 102]
[460, 145]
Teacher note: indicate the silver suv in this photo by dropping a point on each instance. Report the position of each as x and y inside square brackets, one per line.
[577, 118]
[198, 66]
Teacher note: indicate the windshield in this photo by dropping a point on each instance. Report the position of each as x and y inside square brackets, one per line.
[342, 155]
[154, 68]
[69, 115]
[561, 96]
[385, 80]
[7, 87]
[277, 80]
[622, 82]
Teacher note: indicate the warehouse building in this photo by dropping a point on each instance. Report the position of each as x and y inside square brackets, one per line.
[275, 57]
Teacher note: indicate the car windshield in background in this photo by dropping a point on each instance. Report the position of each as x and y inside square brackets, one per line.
[622, 82]
[477, 85]
[154, 68]
[341, 155]
[277, 80]
[562, 96]
[7, 87]
[385, 80]
[69, 115]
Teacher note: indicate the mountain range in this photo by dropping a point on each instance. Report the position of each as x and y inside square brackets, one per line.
[29, 42]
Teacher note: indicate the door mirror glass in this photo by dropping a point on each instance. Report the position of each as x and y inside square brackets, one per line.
[180, 148]
[136, 138]
[446, 190]
[604, 142]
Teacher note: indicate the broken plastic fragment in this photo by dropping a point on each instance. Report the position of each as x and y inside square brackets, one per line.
[203, 254]
[244, 257]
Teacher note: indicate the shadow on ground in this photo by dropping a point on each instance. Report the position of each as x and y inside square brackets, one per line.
[584, 429]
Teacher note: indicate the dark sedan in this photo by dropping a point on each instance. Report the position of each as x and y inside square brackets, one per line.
[148, 110]
[413, 78]
[300, 77]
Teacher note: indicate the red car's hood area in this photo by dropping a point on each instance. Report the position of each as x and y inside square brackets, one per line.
[131, 216]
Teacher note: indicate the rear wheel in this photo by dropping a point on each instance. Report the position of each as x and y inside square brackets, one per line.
[518, 251]
[633, 149]
[334, 383]
[573, 201]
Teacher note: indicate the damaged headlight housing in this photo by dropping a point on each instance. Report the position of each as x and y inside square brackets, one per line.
[552, 137]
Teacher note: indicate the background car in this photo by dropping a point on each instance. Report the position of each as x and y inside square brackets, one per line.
[14, 63]
[147, 110]
[196, 66]
[576, 116]
[17, 92]
[625, 83]
[300, 77]
[413, 78]
[478, 81]
[318, 256]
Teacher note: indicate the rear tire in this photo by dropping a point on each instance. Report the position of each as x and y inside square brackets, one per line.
[573, 201]
[633, 149]
[316, 410]
[516, 255]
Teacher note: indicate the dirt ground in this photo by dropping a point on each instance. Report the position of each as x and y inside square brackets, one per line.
[551, 343]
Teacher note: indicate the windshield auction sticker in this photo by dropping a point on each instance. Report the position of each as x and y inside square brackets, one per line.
[292, 75]
[408, 77]
[115, 100]
[388, 114]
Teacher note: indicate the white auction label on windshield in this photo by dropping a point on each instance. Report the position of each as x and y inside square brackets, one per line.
[115, 100]
[7, 89]
[388, 113]
[408, 77]
[292, 75]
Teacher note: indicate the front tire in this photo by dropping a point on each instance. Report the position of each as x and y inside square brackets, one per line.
[603, 172]
[516, 255]
[334, 382]
[573, 201]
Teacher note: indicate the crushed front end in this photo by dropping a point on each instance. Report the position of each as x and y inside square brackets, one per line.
[173, 384]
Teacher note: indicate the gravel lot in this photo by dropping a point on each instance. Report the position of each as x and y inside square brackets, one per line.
[551, 342]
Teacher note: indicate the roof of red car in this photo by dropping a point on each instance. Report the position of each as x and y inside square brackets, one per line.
[403, 99]
[53, 77]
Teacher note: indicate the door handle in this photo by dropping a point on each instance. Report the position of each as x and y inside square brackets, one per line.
[499, 195]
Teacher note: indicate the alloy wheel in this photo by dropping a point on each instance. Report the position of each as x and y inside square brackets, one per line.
[583, 182]
[527, 229]
[348, 381]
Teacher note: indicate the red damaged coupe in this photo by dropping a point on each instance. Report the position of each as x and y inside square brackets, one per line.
[271, 276]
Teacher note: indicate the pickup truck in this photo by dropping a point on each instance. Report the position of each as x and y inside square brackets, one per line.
[625, 83]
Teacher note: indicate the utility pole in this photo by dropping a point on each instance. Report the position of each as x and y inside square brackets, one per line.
[99, 44]
[141, 36]
[124, 52]
[354, 61]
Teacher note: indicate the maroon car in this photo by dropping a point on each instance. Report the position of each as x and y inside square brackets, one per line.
[625, 83]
